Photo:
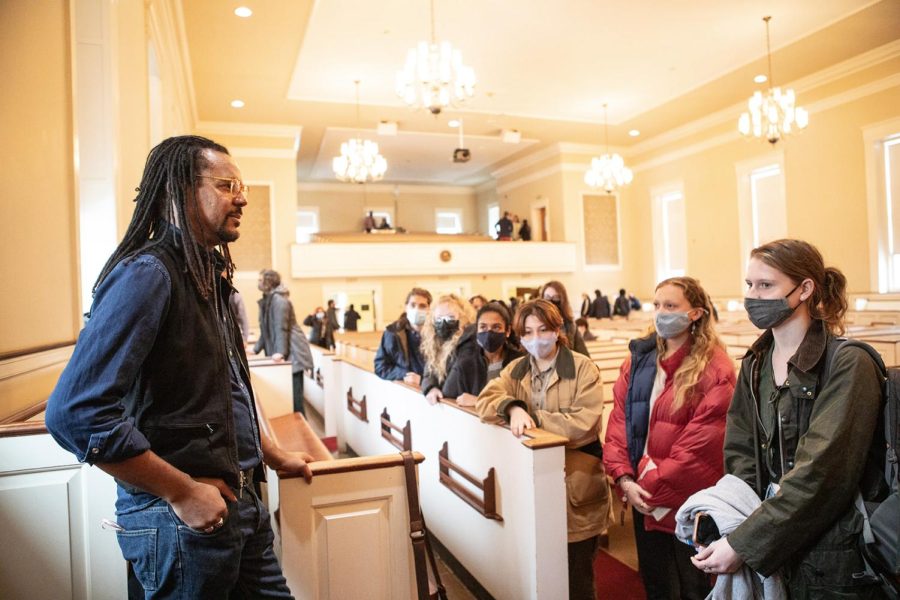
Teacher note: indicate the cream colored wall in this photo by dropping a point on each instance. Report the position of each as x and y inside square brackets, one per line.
[415, 209]
[825, 192]
[38, 257]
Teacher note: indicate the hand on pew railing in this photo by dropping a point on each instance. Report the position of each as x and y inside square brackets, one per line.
[434, 395]
[412, 379]
[519, 420]
[466, 399]
[284, 462]
[278, 357]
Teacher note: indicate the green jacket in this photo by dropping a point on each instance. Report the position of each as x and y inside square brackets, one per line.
[811, 528]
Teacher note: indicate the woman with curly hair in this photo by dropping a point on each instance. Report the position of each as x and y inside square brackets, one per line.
[448, 332]
[664, 436]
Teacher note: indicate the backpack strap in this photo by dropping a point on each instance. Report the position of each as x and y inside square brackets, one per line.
[418, 534]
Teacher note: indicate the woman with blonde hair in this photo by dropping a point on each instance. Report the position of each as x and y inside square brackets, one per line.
[803, 432]
[447, 333]
[560, 391]
[664, 436]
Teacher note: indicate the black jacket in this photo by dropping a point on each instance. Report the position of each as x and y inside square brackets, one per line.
[600, 308]
[397, 354]
[465, 345]
[469, 372]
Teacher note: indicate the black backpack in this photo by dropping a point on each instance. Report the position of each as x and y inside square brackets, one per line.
[881, 534]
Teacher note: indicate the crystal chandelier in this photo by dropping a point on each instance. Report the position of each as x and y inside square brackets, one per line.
[608, 171]
[773, 115]
[359, 161]
[435, 75]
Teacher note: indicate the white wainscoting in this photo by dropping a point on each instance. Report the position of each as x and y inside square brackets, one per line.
[329, 260]
[522, 556]
[50, 510]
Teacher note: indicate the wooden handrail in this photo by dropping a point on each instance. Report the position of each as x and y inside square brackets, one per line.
[357, 407]
[26, 428]
[387, 429]
[351, 465]
[26, 413]
[487, 504]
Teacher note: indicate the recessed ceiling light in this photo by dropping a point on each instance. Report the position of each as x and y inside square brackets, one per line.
[243, 11]
[453, 122]
[760, 78]
[237, 104]
[634, 133]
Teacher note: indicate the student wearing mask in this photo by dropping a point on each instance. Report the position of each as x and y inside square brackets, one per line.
[801, 430]
[472, 371]
[399, 356]
[664, 436]
[560, 391]
[321, 333]
[555, 293]
[448, 334]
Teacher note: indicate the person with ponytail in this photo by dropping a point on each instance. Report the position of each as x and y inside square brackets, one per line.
[559, 391]
[158, 393]
[555, 293]
[802, 432]
[664, 436]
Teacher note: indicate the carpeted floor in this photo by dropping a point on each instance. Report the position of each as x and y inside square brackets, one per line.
[615, 580]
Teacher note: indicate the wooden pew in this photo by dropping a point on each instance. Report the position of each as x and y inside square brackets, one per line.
[520, 528]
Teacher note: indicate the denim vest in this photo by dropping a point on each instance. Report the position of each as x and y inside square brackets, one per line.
[181, 400]
[637, 400]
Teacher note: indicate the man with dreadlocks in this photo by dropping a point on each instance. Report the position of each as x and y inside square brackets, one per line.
[157, 392]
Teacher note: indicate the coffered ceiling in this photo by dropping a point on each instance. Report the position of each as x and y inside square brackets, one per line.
[543, 67]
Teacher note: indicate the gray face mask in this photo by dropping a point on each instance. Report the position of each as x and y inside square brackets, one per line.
[766, 314]
[671, 324]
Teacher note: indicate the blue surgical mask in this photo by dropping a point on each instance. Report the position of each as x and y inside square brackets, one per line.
[539, 347]
[671, 324]
[416, 316]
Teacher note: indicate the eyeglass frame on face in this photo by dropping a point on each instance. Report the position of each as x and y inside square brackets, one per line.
[234, 181]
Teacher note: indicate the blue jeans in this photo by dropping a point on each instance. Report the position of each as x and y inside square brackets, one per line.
[171, 560]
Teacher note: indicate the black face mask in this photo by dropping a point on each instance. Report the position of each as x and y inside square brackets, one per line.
[491, 341]
[557, 302]
[446, 328]
[766, 314]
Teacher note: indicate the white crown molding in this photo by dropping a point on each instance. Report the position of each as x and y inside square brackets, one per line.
[487, 186]
[842, 69]
[536, 175]
[275, 130]
[867, 89]
[526, 161]
[350, 188]
[819, 106]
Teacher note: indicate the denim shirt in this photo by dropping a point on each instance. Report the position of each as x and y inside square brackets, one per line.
[86, 413]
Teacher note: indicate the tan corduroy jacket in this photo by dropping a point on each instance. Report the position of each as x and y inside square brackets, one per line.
[573, 406]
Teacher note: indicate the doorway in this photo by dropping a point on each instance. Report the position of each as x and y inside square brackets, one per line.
[363, 302]
[540, 219]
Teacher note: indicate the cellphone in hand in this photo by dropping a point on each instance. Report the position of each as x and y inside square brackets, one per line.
[705, 530]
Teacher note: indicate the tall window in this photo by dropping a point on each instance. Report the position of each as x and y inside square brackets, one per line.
[762, 209]
[493, 217]
[882, 143]
[448, 220]
[670, 228]
[307, 223]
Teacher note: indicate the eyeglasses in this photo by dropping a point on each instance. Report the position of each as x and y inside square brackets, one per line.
[236, 185]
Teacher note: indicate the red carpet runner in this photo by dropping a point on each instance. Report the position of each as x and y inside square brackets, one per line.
[614, 580]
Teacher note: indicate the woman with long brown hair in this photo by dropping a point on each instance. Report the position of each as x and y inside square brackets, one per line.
[664, 436]
[802, 431]
[555, 293]
[560, 391]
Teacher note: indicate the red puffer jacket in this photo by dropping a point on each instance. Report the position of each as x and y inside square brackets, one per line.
[686, 445]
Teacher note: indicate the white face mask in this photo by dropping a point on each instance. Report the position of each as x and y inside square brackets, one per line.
[416, 316]
[320, 315]
[540, 346]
